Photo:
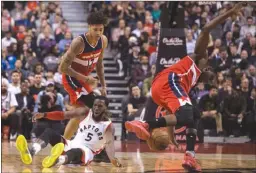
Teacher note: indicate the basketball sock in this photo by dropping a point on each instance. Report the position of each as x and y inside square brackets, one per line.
[192, 153]
[190, 140]
[62, 160]
[159, 122]
[35, 148]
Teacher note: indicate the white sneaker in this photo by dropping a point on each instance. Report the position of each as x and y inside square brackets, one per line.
[13, 137]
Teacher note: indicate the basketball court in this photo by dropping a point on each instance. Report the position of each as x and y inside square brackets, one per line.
[136, 157]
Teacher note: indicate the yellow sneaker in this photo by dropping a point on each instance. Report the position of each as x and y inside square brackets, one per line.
[22, 147]
[51, 160]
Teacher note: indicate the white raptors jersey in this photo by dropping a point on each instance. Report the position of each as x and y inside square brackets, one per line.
[91, 133]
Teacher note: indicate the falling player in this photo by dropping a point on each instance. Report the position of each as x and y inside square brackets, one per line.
[95, 133]
[85, 53]
[170, 90]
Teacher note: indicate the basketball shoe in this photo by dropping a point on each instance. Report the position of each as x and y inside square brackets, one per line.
[141, 129]
[53, 159]
[189, 163]
[22, 147]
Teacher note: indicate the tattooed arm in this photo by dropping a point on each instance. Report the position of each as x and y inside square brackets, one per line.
[75, 48]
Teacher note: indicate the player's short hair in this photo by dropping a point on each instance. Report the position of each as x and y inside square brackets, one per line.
[96, 18]
[103, 98]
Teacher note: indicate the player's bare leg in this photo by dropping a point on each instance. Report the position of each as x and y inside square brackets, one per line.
[72, 126]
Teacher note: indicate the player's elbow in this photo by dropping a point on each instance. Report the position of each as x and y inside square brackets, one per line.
[62, 69]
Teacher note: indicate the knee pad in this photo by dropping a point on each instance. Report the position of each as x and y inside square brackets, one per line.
[191, 131]
[184, 116]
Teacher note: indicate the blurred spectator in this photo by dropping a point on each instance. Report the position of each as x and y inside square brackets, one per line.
[250, 119]
[50, 88]
[117, 32]
[139, 29]
[234, 110]
[211, 117]
[140, 71]
[7, 21]
[156, 11]
[135, 103]
[148, 81]
[249, 27]
[60, 31]
[66, 41]
[8, 119]
[24, 110]
[37, 87]
[8, 40]
[46, 44]
[190, 43]
[14, 86]
[47, 104]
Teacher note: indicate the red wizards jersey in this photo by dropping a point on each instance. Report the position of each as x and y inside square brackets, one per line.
[185, 72]
[86, 61]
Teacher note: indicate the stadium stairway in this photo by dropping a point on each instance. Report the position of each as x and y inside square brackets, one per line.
[76, 13]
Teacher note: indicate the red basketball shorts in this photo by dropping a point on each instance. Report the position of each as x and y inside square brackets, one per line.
[167, 92]
[75, 88]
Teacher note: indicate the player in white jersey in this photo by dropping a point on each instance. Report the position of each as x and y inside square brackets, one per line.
[95, 133]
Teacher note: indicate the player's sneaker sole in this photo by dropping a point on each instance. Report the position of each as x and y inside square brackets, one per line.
[140, 131]
[22, 147]
[56, 151]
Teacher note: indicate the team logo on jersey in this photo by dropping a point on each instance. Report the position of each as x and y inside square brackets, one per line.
[92, 130]
[173, 41]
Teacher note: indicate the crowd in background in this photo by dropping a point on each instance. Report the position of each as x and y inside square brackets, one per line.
[35, 35]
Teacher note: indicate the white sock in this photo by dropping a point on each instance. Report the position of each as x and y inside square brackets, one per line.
[37, 147]
[192, 153]
[61, 160]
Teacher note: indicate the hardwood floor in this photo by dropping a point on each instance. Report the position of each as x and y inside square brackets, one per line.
[136, 157]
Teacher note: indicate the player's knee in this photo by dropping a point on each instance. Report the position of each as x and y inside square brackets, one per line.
[74, 155]
[184, 116]
[191, 131]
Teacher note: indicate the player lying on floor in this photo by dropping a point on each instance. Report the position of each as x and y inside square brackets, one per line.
[95, 133]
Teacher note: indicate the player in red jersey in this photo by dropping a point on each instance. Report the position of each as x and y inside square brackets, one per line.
[85, 53]
[170, 90]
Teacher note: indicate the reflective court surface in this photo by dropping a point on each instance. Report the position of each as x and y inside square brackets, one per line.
[136, 157]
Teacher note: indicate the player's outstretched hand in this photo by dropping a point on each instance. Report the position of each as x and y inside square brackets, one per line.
[37, 116]
[116, 162]
[237, 7]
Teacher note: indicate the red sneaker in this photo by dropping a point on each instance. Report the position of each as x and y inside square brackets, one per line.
[139, 128]
[189, 163]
